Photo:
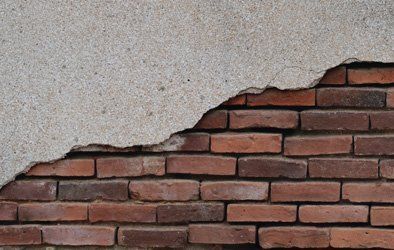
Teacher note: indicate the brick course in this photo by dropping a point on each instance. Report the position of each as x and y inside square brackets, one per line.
[310, 168]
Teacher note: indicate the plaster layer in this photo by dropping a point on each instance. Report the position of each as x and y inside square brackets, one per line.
[134, 72]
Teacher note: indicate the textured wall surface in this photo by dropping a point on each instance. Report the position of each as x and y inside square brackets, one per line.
[307, 168]
[133, 72]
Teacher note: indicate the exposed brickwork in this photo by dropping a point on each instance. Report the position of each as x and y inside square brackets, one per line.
[307, 168]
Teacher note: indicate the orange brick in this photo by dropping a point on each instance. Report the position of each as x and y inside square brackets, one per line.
[122, 212]
[353, 237]
[246, 143]
[382, 216]
[333, 214]
[261, 213]
[371, 75]
[276, 97]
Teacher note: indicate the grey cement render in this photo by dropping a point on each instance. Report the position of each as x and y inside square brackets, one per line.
[122, 73]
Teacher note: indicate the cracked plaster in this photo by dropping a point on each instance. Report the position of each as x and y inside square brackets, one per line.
[126, 73]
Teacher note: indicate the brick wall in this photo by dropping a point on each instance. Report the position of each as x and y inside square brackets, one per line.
[306, 168]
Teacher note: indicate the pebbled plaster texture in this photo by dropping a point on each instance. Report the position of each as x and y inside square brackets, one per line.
[134, 72]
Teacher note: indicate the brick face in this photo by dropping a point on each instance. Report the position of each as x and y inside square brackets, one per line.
[311, 168]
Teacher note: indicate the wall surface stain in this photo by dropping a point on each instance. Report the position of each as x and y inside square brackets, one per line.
[134, 72]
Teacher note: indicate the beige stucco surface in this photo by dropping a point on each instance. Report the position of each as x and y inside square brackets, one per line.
[134, 72]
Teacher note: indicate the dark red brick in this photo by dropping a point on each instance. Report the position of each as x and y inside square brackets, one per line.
[8, 211]
[333, 214]
[351, 97]
[334, 120]
[238, 100]
[166, 237]
[374, 145]
[20, 235]
[53, 212]
[246, 143]
[334, 76]
[234, 190]
[29, 190]
[271, 167]
[201, 164]
[131, 166]
[390, 98]
[305, 191]
[285, 119]
[221, 234]
[318, 145]
[216, 119]
[382, 216]
[387, 168]
[368, 192]
[353, 237]
[383, 120]
[122, 212]
[71, 167]
[276, 97]
[93, 190]
[371, 75]
[190, 212]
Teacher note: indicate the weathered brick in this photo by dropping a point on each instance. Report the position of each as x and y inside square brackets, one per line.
[284, 119]
[390, 98]
[382, 216]
[333, 214]
[368, 192]
[334, 76]
[246, 143]
[334, 120]
[343, 168]
[122, 212]
[216, 119]
[305, 191]
[131, 166]
[201, 164]
[318, 145]
[182, 142]
[298, 237]
[382, 120]
[70, 167]
[234, 190]
[221, 234]
[261, 213]
[78, 235]
[371, 75]
[93, 190]
[164, 190]
[190, 212]
[53, 212]
[20, 235]
[8, 211]
[351, 97]
[387, 168]
[353, 237]
[374, 145]
[271, 167]
[167, 237]
[276, 97]
[238, 100]
[29, 190]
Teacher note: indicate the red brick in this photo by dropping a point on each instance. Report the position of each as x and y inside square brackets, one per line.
[29, 190]
[93, 190]
[257, 166]
[20, 235]
[132, 166]
[234, 190]
[286, 119]
[334, 120]
[333, 214]
[335, 76]
[276, 97]
[8, 211]
[164, 190]
[390, 98]
[72, 167]
[374, 145]
[261, 213]
[368, 192]
[246, 143]
[387, 169]
[53, 212]
[371, 75]
[190, 212]
[382, 120]
[221, 234]
[382, 216]
[201, 164]
[318, 145]
[182, 142]
[305, 191]
[343, 168]
[122, 212]
[216, 119]
[166, 237]
[78, 235]
[238, 100]
[298, 237]
[351, 97]
[353, 237]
